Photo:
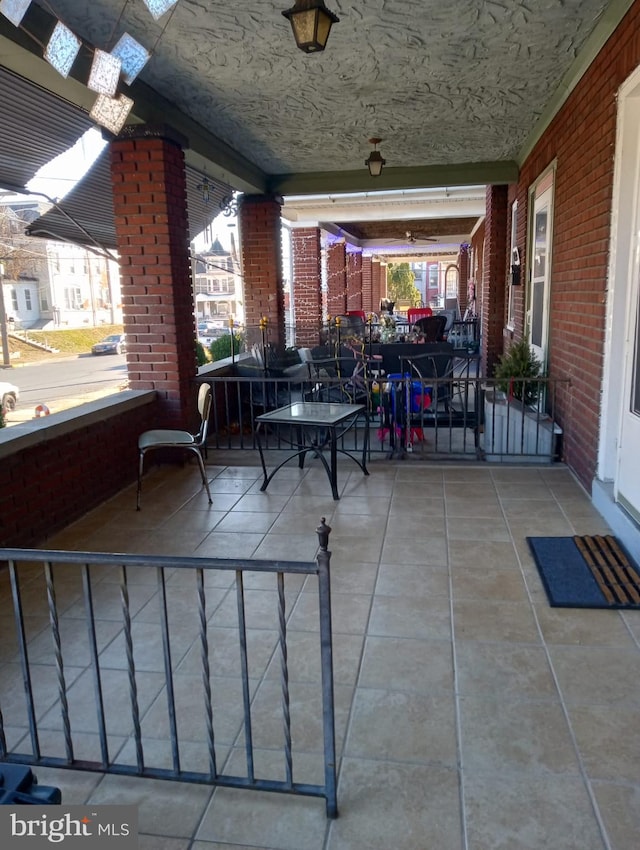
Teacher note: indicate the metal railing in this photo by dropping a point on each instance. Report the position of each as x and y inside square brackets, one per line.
[34, 729]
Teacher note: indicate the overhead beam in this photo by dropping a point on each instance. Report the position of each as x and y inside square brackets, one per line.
[461, 174]
[22, 53]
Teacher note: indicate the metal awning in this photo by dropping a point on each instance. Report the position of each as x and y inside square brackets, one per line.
[35, 127]
[85, 215]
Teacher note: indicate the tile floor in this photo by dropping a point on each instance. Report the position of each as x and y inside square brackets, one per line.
[470, 714]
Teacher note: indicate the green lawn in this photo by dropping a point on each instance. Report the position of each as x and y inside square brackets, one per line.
[74, 340]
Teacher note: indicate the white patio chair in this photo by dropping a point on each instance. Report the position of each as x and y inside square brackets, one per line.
[167, 438]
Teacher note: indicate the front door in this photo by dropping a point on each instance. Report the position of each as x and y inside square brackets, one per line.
[539, 290]
[628, 479]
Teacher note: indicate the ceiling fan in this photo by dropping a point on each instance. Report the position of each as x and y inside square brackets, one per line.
[413, 237]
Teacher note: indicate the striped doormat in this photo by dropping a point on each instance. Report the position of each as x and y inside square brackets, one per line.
[586, 572]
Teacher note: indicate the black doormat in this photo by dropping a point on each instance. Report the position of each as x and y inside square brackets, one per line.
[586, 572]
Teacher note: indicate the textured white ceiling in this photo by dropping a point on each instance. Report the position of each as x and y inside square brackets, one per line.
[440, 81]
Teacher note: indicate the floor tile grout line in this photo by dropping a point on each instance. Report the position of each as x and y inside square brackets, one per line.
[456, 689]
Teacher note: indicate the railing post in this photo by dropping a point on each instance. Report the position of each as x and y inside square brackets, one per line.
[326, 653]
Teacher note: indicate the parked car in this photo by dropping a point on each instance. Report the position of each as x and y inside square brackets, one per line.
[113, 344]
[10, 395]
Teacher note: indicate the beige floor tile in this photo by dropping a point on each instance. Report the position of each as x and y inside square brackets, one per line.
[258, 502]
[513, 670]
[170, 809]
[472, 528]
[483, 554]
[541, 509]
[247, 521]
[155, 842]
[76, 786]
[403, 616]
[486, 620]
[412, 580]
[370, 505]
[399, 806]
[407, 664]
[619, 807]
[287, 547]
[597, 675]
[529, 812]
[259, 820]
[303, 658]
[349, 612]
[609, 740]
[407, 550]
[488, 583]
[224, 653]
[583, 626]
[349, 576]
[473, 506]
[502, 735]
[364, 547]
[413, 511]
[402, 727]
[231, 544]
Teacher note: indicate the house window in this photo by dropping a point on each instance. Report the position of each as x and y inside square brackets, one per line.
[511, 289]
[27, 299]
[14, 300]
[72, 298]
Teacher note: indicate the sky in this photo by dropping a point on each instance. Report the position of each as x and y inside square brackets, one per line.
[61, 174]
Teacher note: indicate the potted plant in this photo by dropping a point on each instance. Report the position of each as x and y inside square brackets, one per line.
[513, 367]
[514, 427]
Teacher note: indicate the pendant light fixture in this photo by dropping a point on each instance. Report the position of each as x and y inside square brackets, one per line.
[374, 161]
[311, 23]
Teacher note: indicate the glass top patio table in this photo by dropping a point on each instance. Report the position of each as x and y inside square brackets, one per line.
[316, 427]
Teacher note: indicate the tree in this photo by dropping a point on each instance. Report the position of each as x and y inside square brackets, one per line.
[401, 284]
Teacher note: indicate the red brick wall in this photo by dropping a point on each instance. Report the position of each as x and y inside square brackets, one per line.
[354, 280]
[53, 483]
[581, 139]
[368, 304]
[337, 278]
[307, 277]
[259, 226]
[376, 291]
[150, 212]
[492, 305]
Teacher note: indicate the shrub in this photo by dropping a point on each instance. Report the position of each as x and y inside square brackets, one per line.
[2, 419]
[201, 354]
[221, 348]
[518, 363]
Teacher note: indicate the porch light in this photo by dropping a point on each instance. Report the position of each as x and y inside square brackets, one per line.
[374, 161]
[311, 23]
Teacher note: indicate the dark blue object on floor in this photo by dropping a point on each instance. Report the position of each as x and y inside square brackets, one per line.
[568, 579]
[19, 787]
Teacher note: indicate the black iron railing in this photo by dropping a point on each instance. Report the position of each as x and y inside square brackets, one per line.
[46, 727]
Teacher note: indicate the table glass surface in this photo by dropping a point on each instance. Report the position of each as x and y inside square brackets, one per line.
[311, 413]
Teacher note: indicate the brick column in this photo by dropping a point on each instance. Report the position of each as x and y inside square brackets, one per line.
[463, 277]
[494, 272]
[368, 304]
[259, 226]
[307, 279]
[376, 292]
[337, 278]
[152, 232]
[354, 279]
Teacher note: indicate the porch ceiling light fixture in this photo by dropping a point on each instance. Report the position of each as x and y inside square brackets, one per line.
[14, 10]
[111, 112]
[374, 161]
[311, 23]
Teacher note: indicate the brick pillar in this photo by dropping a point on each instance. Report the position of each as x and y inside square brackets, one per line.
[259, 226]
[463, 277]
[337, 278]
[354, 280]
[492, 310]
[152, 232]
[368, 304]
[376, 293]
[307, 291]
